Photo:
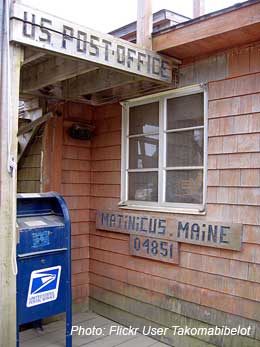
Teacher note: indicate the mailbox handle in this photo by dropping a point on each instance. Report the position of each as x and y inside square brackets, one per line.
[41, 252]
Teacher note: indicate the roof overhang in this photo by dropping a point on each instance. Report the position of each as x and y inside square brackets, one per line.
[233, 26]
[68, 61]
[161, 20]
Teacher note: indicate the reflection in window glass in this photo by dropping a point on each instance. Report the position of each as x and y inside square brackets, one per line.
[144, 119]
[184, 186]
[185, 148]
[185, 111]
[143, 152]
[143, 186]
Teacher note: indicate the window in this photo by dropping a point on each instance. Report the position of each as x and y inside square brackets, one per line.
[163, 151]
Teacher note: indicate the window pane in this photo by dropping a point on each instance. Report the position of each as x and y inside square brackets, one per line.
[185, 148]
[185, 111]
[184, 186]
[143, 152]
[144, 119]
[143, 186]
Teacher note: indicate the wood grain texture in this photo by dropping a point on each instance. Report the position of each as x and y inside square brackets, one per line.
[10, 64]
[155, 249]
[218, 32]
[75, 187]
[182, 229]
[155, 316]
[241, 85]
[51, 71]
[60, 36]
[216, 285]
[244, 60]
[128, 318]
[67, 170]
[204, 70]
[174, 305]
[178, 284]
[29, 173]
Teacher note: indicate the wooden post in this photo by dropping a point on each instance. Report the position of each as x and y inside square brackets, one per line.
[198, 8]
[144, 24]
[9, 99]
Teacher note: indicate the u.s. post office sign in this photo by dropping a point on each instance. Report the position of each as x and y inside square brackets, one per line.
[39, 29]
[198, 232]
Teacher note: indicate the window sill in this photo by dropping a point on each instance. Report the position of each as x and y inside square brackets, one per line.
[162, 209]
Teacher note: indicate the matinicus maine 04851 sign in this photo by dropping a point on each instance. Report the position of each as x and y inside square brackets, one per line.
[39, 29]
[154, 248]
[199, 232]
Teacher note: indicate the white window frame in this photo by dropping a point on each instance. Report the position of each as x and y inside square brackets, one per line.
[161, 205]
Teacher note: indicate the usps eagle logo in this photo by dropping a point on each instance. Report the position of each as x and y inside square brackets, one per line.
[44, 286]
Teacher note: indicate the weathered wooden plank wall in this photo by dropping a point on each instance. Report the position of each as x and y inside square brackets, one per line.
[209, 286]
[10, 63]
[29, 171]
[66, 169]
[75, 187]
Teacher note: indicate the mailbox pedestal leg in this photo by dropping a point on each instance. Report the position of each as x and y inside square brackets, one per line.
[69, 323]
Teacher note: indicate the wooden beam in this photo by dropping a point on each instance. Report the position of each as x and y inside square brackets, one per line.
[31, 115]
[51, 92]
[8, 177]
[125, 92]
[95, 81]
[31, 104]
[38, 29]
[198, 8]
[24, 142]
[32, 58]
[52, 71]
[144, 23]
[28, 127]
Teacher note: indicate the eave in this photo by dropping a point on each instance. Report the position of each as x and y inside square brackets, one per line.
[236, 25]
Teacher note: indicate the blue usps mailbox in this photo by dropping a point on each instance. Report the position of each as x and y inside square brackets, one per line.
[43, 259]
